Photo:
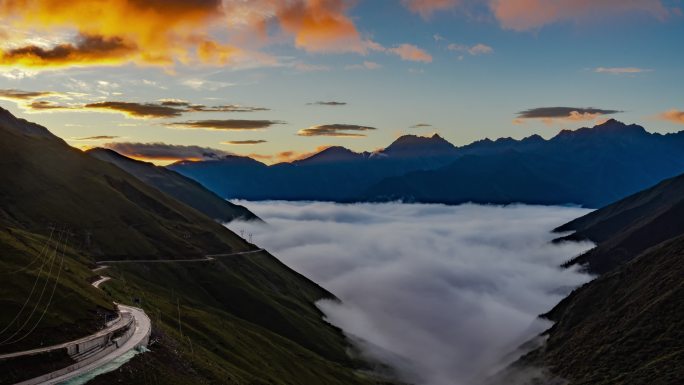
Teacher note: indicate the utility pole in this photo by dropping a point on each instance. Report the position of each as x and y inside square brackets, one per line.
[180, 327]
[250, 237]
[242, 233]
[192, 351]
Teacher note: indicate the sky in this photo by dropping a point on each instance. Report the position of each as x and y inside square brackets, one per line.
[169, 79]
[445, 294]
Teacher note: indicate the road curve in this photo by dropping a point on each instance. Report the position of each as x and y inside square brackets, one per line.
[143, 325]
[207, 258]
[103, 332]
[143, 328]
[100, 281]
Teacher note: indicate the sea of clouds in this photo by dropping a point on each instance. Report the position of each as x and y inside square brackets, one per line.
[444, 294]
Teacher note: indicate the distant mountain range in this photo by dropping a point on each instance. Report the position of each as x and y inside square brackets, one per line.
[589, 166]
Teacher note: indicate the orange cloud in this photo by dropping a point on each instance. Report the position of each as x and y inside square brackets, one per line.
[212, 52]
[529, 14]
[410, 52]
[150, 31]
[165, 32]
[427, 7]
[673, 115]
[320, 25]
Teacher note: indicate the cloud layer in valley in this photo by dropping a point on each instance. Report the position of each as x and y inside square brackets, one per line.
[440, 292]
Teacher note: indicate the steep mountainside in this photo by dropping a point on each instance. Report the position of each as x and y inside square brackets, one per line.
[180, 187]
[588, 166]
[625, 327]
[238, 319]
[626, 228]
[46, 181]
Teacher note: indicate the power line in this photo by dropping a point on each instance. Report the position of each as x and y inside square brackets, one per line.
[40, 298]
[52, 230]
[35, 283]
[54, 288]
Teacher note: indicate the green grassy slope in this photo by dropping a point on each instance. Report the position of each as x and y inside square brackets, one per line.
[233, 329]
[250, 319]
[45, 181]
[77, 308]
[625, 327]
[178, 186]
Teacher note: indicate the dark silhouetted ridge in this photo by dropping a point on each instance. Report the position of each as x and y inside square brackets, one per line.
[178, 186]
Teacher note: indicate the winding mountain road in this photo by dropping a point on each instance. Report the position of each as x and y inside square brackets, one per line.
[100, 281]
[139, 337]
[143, 328]
[207, 258]
[64, 345]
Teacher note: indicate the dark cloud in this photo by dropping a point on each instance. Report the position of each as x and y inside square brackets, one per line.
[166, 108]
[338, 130]
[174, 103]
[421, 125]
[38, 105]
[97, 137]
[227, 124]
[331, 103]
[244, 142]
[163, 151]
[86, 50]
[225, 108]
[562, 112]
[139, 110]
[19, 95]
[189, 107]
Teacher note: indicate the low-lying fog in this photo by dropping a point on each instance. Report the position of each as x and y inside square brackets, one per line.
[439, 292]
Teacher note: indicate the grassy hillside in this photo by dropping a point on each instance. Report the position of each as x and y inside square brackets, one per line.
[45, 181]
[244, 319]
[180, 187]
[630, 226]
[231, 328]
[77, 308]
[625, 327]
